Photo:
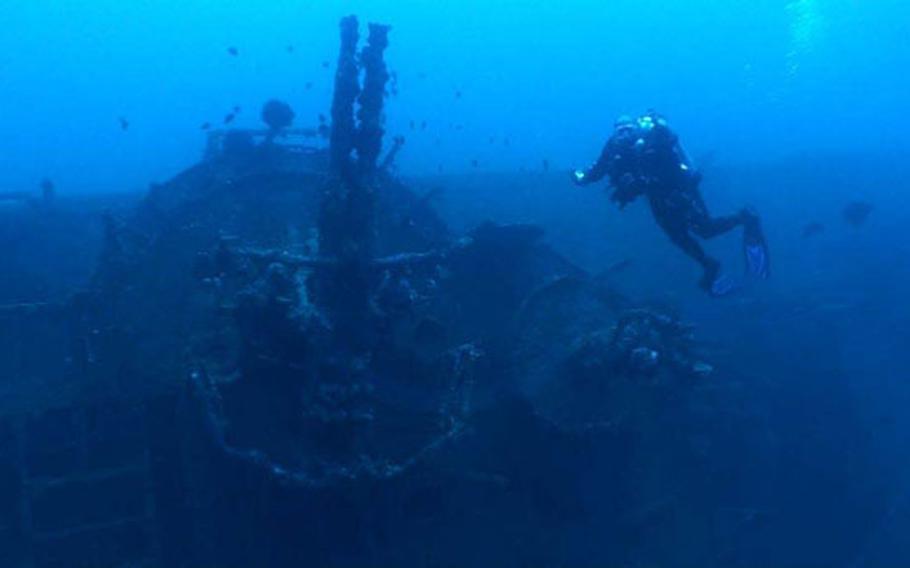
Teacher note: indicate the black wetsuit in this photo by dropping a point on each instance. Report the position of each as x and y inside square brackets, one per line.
[645, 158]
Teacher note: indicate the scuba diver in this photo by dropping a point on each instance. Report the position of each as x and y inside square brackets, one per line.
[644, 157]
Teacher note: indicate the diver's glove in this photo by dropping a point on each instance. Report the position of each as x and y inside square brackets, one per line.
[579, 177]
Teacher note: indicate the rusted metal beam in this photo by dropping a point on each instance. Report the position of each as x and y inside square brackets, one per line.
[372, 97]
[347, 89]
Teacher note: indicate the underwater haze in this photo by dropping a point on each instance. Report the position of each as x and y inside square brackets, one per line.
[445, 325]
[746, 81]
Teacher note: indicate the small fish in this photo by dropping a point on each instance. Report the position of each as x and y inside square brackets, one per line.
[423, 125]
[205, 126]
[124, 123]
[475, 163]
[413, 125]
[546, 165]
[289, 49]
[236, 109]
[308, 86]
[422, 75]
[506, 142]
[325, 64]
[229, 118]
[458, 94]
[233, 51]
[492, 140]
[322, 119]
[857, 213]
[812, 229]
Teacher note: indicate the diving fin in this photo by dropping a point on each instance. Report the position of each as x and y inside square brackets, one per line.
[717, 284]
[723, 285]
[755, 248]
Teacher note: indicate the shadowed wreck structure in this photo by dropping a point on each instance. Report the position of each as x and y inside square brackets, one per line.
[285, 358]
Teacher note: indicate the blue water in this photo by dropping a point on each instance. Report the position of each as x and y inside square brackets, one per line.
[744, 81]
[796, 107]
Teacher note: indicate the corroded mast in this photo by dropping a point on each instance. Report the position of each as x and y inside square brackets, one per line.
[372, 97]
[347, 224]
[347, 88]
